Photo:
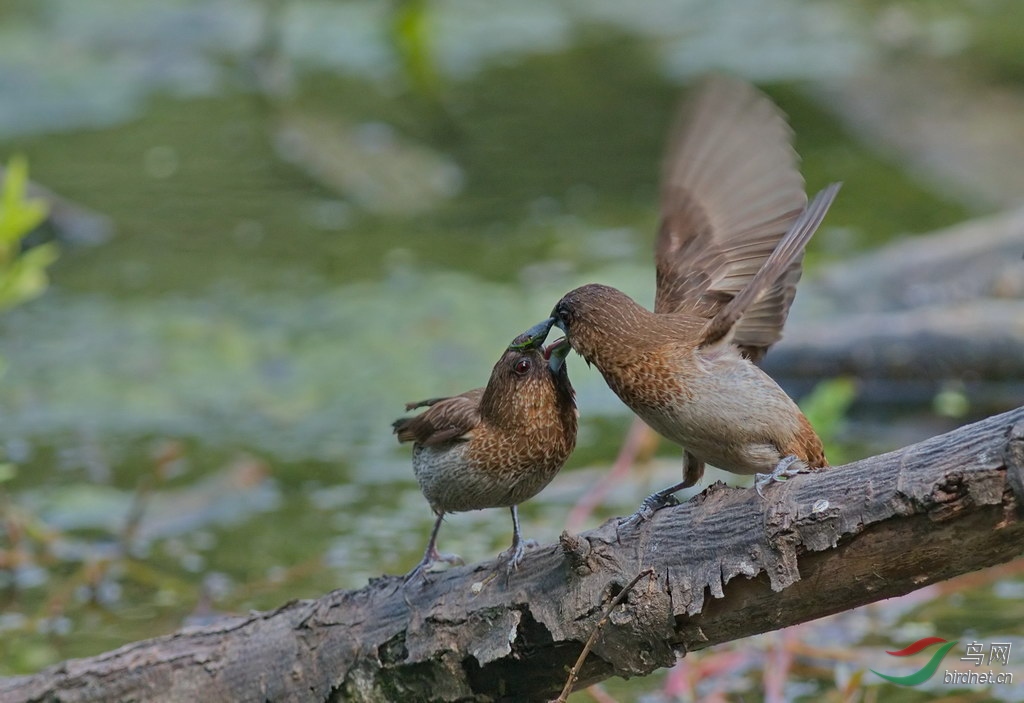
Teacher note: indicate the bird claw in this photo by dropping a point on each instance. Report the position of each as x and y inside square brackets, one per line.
[431, 564]
[514, 555]
[651, 504]
[783, 470]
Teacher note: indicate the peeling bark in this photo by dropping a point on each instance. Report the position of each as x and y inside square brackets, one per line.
[727, 565]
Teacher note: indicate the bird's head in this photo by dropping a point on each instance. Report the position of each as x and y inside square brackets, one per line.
[529, 377]
[597, 319]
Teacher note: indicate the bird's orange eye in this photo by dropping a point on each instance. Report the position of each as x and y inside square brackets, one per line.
[522, 366]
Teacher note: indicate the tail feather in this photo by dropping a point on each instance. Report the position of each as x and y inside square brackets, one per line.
[402, 428]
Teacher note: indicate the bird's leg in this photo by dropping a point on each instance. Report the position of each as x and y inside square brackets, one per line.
[783, 470]
[514, 554]
[431, 555]
[693, 470]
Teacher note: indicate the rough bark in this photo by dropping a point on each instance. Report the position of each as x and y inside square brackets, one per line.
[727, 565]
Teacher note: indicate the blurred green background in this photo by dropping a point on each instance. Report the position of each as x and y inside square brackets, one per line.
[279, 221]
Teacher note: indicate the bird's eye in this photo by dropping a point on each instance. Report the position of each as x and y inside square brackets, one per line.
[522, 366]
[562, 312]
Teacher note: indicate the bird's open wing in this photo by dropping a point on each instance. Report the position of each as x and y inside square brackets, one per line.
[445, 420]
[735, 312]
[731, 189]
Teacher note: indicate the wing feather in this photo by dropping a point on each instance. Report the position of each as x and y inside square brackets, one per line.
[445, 420]
[777, 267]
[731, 189]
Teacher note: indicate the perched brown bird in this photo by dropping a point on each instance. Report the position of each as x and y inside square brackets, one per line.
[729, 254]
[496, 446]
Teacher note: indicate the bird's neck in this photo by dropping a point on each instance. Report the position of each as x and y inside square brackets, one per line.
[517, 413]
[613, 337]
[646, 357]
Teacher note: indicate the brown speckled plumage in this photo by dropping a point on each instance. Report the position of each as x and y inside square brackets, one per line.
[500, 445]
[729, 253]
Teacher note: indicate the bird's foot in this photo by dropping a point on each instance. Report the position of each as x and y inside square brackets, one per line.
[651, 504]
[514, 554]
[433, 563]
[788, 467]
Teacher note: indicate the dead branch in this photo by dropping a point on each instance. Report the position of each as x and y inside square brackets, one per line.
[728, 565]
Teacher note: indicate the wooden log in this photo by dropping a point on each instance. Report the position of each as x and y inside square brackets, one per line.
[727, 565]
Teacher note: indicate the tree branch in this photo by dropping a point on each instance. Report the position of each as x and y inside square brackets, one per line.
[728, 565]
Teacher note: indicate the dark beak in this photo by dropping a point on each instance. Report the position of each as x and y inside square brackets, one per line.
[534, 337]
[556, 353]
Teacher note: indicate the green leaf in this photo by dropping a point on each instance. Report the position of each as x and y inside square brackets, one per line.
[827, 404]
[19, 215]
[22, 273]
[826, 407]
[411, 35]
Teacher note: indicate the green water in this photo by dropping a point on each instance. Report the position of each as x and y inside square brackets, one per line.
[198, 411]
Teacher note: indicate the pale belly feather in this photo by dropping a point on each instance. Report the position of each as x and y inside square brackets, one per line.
[736, 431]
[452, 482]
